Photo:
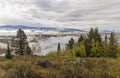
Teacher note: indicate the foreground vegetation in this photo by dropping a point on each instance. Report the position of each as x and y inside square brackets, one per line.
[64, 67]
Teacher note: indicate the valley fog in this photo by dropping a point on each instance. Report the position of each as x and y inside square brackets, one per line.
[40, 42]
[42, 45]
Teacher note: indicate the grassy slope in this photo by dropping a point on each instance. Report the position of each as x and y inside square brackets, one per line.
[51, 67]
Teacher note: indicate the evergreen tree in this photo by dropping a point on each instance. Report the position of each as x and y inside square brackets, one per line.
[97, 49]
[92, 35]
[70, 44]
[79, 51]
[113, 45]
[13, 45]
[88, 41]
[106, 38]
[97, 36]
[69, 47]
[8, 53]
[88, 47]
[27, 50]
[105, 46]
[105, 49]
[58, 49]
[19, 44]
[21, 41]
[80, 39]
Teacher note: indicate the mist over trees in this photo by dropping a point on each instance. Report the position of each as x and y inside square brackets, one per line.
[90, 45]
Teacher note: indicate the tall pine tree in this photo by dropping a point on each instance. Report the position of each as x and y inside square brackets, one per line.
[70, 44]
[106, 38]
[8, 53]
[58, 49]
[113, 45]
[19, 44]
[80, 39]
[95, 36]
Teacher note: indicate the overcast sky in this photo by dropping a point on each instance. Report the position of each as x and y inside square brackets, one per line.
[83, 14]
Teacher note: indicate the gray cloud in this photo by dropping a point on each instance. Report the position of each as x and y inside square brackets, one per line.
[45, 4]
[61, 13]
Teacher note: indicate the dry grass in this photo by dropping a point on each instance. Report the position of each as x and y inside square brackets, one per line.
[49, 67]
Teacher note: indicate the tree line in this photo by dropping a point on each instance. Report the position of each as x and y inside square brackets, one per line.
[90, 45]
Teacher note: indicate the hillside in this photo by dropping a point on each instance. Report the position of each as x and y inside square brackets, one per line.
[52, 67]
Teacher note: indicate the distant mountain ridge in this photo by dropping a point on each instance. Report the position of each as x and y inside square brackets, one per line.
[44, 28]
[8, 27]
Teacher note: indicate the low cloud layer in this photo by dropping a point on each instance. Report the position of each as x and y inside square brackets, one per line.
[84, 14]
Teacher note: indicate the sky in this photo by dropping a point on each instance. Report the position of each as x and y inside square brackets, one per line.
[83, 14]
